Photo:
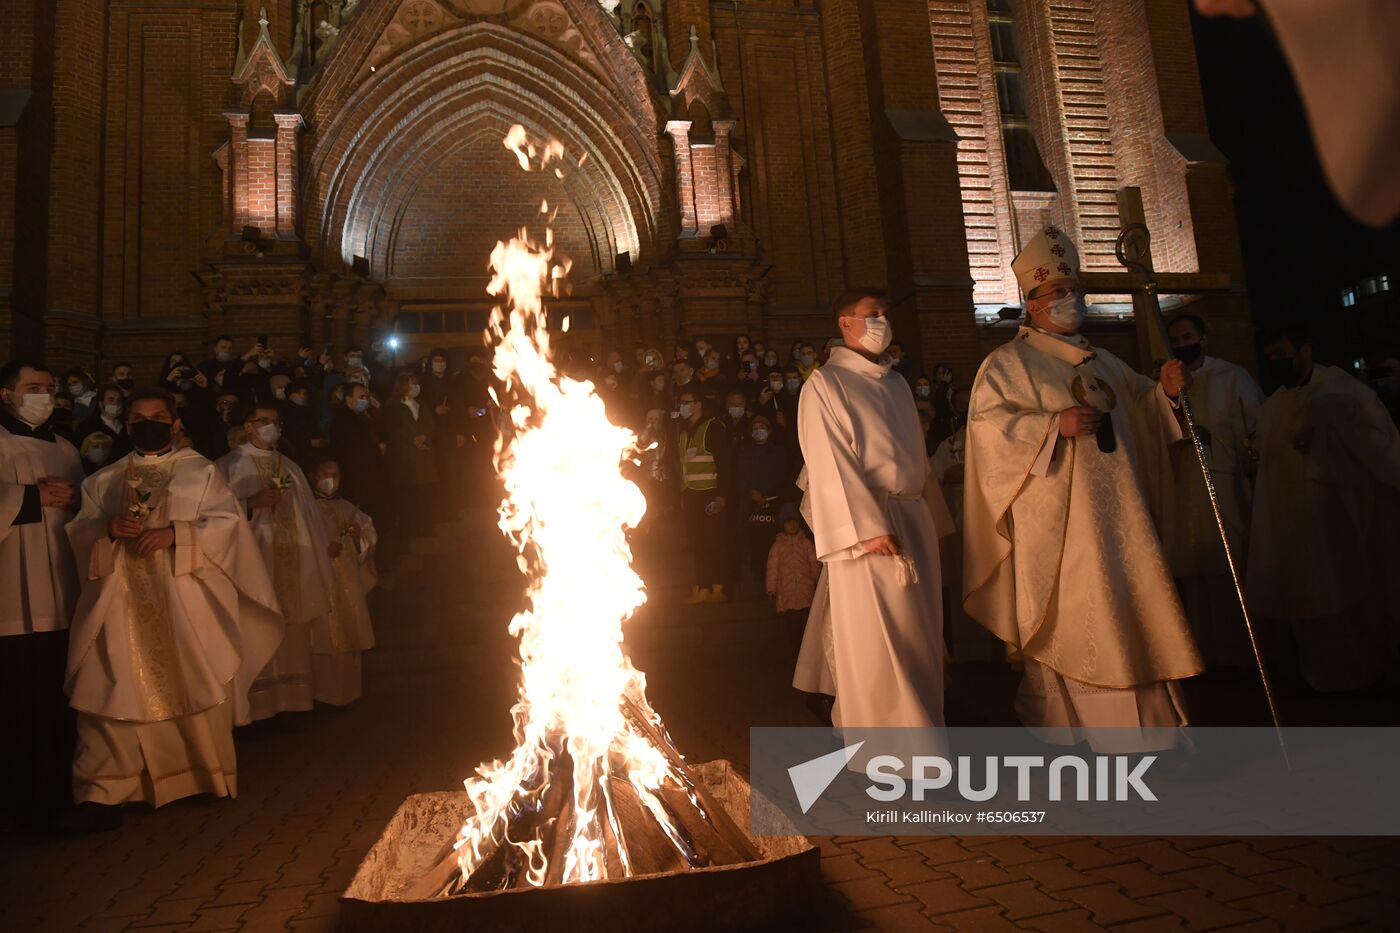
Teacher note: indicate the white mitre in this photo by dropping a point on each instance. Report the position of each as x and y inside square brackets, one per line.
[1050, 254]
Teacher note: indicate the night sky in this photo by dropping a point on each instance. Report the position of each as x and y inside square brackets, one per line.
[1300, 248]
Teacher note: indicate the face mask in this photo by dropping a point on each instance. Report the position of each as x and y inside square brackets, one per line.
[112, 409]
[35, 408]
[712, 365]
[223, 356]
[808, 359]
[439, 367]
[770, 361]
[793, 385]
[360, 405]
[414, 389]
[279, 393]
[150, 437]
[610, 382]
[219, 377]
[658, 385]
[269, 433]
[264, 363]
[299, 399]
[617, 367]
[98, 455]
[760, 435]
[1279, 372]
[775, 385]
[184, 385]
[75, 389]
[328, 485]
[877, 336]
[736, 413]
[126, 383]
[1187, 353]
[923, 391]
[1068, 313]
[353, 361]
[686, 410]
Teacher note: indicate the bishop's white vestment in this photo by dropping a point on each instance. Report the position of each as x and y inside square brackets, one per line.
[867, 473]
[292, 538]
[1225, 400]
[164, 649]
[339, 637]
[1062, 560]
[1324, 534]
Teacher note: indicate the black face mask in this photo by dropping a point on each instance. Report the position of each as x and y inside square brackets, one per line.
[126, 383]
[1279, 372]
[1187, 353]
[150, 437]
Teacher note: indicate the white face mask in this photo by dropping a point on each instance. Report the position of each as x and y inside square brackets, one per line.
[686, 410]
[617, 367]
[35, 408]
[112, 409]
[878, 334]
[265, 363]
[1068, 313]
[923, 391]
[269, 434]
[793, 385]
[279, 393]
[299, 400]
[760, 435]
[98, 454]
[414, 389]
[775, 385]
[736, 413]
[328, 485]
[223, 356]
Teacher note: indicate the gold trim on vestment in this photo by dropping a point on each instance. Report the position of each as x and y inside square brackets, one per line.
[286, 556]
[155, 663]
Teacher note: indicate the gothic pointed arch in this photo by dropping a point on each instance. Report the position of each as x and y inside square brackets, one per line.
[407, 169]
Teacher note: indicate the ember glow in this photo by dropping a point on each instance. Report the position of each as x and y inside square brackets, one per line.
[585, 733]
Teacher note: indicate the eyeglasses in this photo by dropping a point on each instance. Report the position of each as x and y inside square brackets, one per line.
[1058, 293]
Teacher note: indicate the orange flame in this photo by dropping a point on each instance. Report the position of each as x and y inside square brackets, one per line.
[567, 509]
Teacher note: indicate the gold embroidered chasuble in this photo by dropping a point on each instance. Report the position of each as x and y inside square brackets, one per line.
[1062, 558]
[161, 637]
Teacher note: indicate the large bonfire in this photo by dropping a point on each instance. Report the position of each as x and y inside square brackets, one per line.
[594, 788]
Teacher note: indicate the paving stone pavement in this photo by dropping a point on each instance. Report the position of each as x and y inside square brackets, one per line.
[316, 789]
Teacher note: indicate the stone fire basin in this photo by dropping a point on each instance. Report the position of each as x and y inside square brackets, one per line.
[777, 892]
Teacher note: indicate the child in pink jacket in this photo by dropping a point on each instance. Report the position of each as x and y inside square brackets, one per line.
[793, 567]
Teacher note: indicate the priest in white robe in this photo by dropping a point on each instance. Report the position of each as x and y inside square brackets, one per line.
[292, 538]
[867, 470]
[1066, 451]
[1326, 513]
[176, 618]
[1226, 400]
[339, 638]
[40, 475]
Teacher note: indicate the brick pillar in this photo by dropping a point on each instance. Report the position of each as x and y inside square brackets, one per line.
[288, 126]
[679, 131]
[724, 172]
[238, 162]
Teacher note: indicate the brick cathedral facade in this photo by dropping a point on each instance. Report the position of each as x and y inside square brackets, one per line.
[332, 171]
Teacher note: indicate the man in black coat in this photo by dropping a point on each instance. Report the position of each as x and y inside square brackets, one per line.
[355, 445]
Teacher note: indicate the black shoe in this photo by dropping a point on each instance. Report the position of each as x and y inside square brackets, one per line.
[88, 817]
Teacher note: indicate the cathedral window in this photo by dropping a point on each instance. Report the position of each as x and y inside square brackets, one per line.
[1024, 169]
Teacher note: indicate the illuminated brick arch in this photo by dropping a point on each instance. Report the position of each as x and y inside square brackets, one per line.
[383, 139]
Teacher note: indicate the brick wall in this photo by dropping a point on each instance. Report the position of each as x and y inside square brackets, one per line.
[117, 196]
[469, 202]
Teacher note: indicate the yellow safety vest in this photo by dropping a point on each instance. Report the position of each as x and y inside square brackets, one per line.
[697, 463]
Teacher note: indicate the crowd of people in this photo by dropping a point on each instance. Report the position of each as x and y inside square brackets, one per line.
[194, 554]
